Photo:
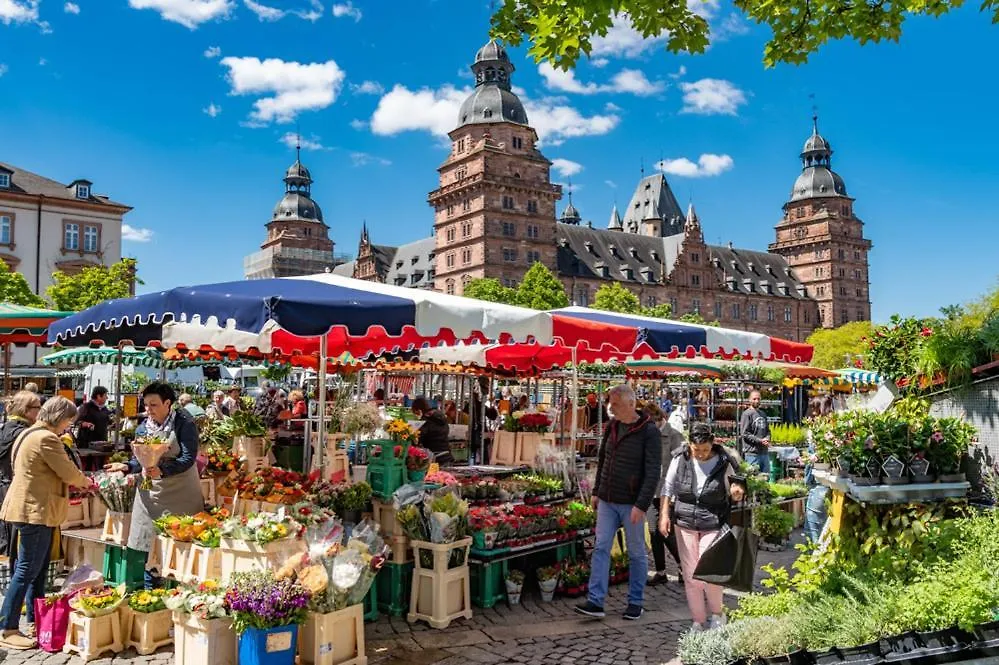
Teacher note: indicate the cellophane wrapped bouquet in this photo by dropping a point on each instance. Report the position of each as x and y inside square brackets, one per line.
[98, 601]
[116, 491]
[261, 528]
[438, 517]
[204, 601]
[149, 450]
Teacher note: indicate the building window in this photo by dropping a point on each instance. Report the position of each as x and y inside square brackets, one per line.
[735, 311]
[466, 256]
[842, 290]
[842, 272]
[695, 280]
[770, 312]
[449, 259]
[6, 229]
[856, 274]
[821, 290]
[533, 257]
[718, 310]
[450, 211]
[841, 254]
[818, 253]
[509, 283]
[753, 312]
[846, 211]
[844, 317]
[90, 239]
[532, 206]
[509, 229]
[83, 191]
[509, 255]
[582, 296]
[466, 205]
[508, 203]
[695, 306]
[533, 231]
[449, 234]
[808, 317]
[460, 172]
[820, 272]
[856, 255]
[695, 257]
[860, 315]
[460, 146]
[787, 314]
[518, 143]
[4, 180]
[466, 230]
[860, 293]
[449, 287]
[71, 236]
[650, 301]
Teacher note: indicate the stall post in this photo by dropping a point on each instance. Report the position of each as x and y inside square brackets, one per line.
[117, 392]
[321, 429]
[574, 400]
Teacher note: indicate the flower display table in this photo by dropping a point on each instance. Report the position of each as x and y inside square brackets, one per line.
[173, 557]
[90, 637]
[203, 563]
[147, 631]
[239, 556]
[441, 592]
[116, 526]
[336, 638]
[889, 494]
[203, 642]
[386, 517]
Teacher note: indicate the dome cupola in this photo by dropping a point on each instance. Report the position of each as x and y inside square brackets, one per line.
[492, 100]
[297, 203]
[817, 179]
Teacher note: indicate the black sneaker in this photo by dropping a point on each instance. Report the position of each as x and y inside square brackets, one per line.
[657, 579]
[633, 613]
[591, 610]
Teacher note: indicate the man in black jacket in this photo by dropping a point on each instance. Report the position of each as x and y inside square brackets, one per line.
[627, 474]
[433, 433]
[93, 418]
[754, 432]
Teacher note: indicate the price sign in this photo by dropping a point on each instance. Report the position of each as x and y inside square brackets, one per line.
[434, 468]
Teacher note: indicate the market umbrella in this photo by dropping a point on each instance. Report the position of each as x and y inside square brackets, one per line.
[126, 355]
[529, 358]
[20, 324]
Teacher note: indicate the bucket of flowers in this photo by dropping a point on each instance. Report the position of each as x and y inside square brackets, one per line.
[150, 622]
[417, 463]
[266, 613]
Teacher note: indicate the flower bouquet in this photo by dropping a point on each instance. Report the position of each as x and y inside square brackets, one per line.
[262, 528]
[98, 602]
[202, 528]
[533, 422]
[149, 451]
[149, 601]
[257, 600]
[219, 459]
[401, 431]
[417, 459]
[442, 478]
[205, 601]
[116, 491]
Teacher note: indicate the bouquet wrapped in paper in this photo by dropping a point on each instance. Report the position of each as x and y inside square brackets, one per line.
[149, 451]
[116, 491]
[98, 602]
[205, 601]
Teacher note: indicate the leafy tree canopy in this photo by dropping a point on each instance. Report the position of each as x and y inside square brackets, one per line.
[664, 311]
[540, 289]
[561, 32]
[92, 286]
[832, 346]
[491, 290]
[692, 317]
[14, 288]
[612, 297]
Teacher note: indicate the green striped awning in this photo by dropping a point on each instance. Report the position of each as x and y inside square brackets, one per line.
[21, 324]
[130, 355]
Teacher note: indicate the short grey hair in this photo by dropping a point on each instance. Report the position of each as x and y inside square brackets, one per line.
[56, 410]
[623, 391]
[21, 403]
[184, 399]
[217, 394]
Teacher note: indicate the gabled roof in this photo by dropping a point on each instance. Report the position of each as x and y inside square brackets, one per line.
[32, 184]
[413, 264]
[653, 198]
[594, 253]
[747, 271]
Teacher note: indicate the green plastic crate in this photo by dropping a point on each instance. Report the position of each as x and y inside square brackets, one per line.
[386, 479]
[488, 582]
[124, 566]
[394, 582]
[289, 457]
[371, 604]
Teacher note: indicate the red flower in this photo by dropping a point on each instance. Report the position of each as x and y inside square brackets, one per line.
[926, 332]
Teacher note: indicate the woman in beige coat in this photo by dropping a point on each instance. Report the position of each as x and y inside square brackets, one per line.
[36, 503]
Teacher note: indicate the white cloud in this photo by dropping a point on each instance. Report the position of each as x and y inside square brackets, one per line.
[707, 165]
[3, 69]
[18, 11]
[313, 142]
[212, 110]
[284, 88]
[132, 234]
[566, 168]
[680, 73]
[731, 26]
[569, 187]
[347, 9]
[623, 40]
[71, 8]
[189, 13]
[213, 52]
[629, 81]
[706, 9]
[358, 124]
[611, 107]
[600, 62]
[712, 97]
[367, 88]
[436, 111]
[263, 12]
[611, 184]
[364, 159]
[42, 62]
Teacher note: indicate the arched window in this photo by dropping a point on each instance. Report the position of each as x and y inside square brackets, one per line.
[449, 287]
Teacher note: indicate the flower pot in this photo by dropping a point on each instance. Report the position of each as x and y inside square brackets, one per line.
[513, 598]
[416, 476]
[922, 480]
[352, 516]
[490, 539]
[548, 586]
[864, 481]
[986, 632]
[865, 653]
[951, 478]
[827, 657]
[843, 466]
[268, 646]
[334, 638]
[799, 657]
[895, 471]
[198, 641]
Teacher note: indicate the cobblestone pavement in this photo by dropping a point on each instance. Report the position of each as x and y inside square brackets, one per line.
[532, 632]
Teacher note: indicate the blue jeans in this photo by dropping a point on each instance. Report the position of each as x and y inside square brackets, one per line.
[760, 461]
[27, 580]
[611, 517]
[815, 512]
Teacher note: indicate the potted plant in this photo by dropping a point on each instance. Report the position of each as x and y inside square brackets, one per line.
[547, 580]
[514, 586]
[266, 614]
[352, 501]
[948, 445]
[774, 526]
[417, 463]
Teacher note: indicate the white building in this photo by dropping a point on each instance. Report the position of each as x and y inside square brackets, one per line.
[47, 226]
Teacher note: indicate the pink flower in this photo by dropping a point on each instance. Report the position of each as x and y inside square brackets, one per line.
[926, 332]
[937, 436]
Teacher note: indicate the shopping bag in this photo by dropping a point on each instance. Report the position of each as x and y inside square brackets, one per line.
[730, 561]
[52, 623]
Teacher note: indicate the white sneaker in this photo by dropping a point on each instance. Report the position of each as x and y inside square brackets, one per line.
[717, 621]
[697, 627]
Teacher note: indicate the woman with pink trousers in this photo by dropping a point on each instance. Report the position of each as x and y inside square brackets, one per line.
[696, 500]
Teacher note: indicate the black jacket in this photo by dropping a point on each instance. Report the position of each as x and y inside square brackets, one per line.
[97, 416]
[710, 508]
[8, 435]
[433, 433]
[628, 466]
[753, 428]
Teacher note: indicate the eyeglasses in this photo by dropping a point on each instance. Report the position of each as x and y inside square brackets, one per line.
[34, 407]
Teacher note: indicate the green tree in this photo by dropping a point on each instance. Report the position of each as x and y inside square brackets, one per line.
[92, 286]
[612, 297]
[561, 32]
[694, 317]
[664, 311]
[490, 289]
[540, 289]
[833, 346]
[14, 288]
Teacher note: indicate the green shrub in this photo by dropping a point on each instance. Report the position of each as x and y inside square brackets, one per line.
[709, 647]
[773, 524]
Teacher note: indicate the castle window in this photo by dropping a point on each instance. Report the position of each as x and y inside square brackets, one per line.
[818, 253]
[83, 191]
[4, 180]
[718, 310]
[842, 272]
[518, 143]
[860, 293]
[533, 231]
[508, 203]
[787, 314]
[856, 274]
[695, 257]
[695, 306]
[449, 259]
[449, 234]
[842, 290]
[753, 312]
[841, 254]
[509, 229]
[844, 317]
[532, 206]
[509, 255]
[460, 173]
[449, 287]
[808, 317]
[856, 255]
[466, 230]
[466, 205]
[466, 256]
[736, 314]
[450, 211]
[695, 280]
[846, 211]
[488, 113]
[770, 312]
[650, 301]
[860, 315]
[460, 145]
[533, 256]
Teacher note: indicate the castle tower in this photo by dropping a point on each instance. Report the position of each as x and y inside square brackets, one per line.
[823, 240]
[495, 206]
[298, 241]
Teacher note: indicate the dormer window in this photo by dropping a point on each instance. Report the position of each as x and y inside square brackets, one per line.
[398, 265]
[414, 260]
[83, 191]
[633, 252]
[4, 181]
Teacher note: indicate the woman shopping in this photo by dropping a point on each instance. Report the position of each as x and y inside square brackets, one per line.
[700, 483]
[22, 410]
[36, 503]
[175, 487]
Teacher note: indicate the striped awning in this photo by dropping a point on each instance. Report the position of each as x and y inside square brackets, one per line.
[130, 355]
[20, 324]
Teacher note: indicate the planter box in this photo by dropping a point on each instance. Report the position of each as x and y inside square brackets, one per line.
[173, 558]
[203, 563]
[336, 638]
[238, 556]
[116, 526]
[97, 511]
[89, 637]
[504, 452]
[243, 506]
[440, 594]
[385, 515]
[124, 566]
[271, 646]
[78, 515]
[79, 551]
[202, 642]
[208, 490]
[528, 444]
[394, 582]
[147, 632]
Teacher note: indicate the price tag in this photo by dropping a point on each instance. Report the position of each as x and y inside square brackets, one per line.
[325, 648]
[434, 468]
[278, 642]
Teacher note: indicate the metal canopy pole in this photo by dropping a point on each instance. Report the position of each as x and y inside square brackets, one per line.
[321, 444]
[121, 402]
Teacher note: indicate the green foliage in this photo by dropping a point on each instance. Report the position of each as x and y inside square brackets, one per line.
[693, 317]
[709, 647]
[14, 289]
[663, 311]
[541, 289]
[787, 434]
[277, 372]
[613, 297]
[894, 348]
[832, 347]
[491, 290]
[773, 524]
[788, 490]
[246, 423]
[92, 285]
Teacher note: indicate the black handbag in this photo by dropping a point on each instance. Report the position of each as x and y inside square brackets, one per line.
[730, 561]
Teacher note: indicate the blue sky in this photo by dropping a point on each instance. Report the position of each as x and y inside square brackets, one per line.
[181, 108]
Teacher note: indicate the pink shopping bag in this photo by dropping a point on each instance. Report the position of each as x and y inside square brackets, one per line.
[52, 623]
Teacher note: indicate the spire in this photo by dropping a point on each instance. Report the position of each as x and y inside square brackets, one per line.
[570, 215]
[364, 232]
[615, 223]
[692, 215]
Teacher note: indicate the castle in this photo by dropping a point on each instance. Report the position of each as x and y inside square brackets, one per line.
[495, 216]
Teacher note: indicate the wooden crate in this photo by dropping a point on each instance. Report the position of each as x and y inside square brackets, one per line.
[528, 444]
[203, 642]
[148, 631]
[173, 558]
[203, 563]
[97, 511]
[402, 551]
[440, 595]
[239, 556]
[504, 451]
[79, 514]
[386, 516]
[89, 637]
[336, 638]
[78, 551]
[116, 527]
[208, 487]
